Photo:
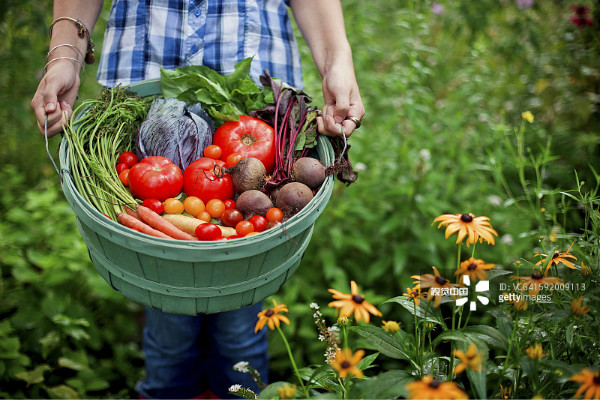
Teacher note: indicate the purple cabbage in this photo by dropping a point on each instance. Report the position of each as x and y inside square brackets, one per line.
[175, 130]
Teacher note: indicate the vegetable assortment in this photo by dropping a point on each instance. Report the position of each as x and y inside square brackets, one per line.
[159, 166]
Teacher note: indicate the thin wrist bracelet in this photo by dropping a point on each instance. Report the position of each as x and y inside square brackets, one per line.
[67, 58]
[65, 45]
[82, 32]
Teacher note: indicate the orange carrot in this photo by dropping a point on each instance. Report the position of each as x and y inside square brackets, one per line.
[138, 225]
[132, 213]
[156, 221]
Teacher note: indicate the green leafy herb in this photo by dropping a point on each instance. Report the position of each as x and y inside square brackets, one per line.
[224, 97]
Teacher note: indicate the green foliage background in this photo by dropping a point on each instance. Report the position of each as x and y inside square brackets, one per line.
[440, 93]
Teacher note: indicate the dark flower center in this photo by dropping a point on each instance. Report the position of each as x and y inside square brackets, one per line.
[345, 364]
[466, 218]
[555, 255]
[357, 298]
[597, 379]
[440, 280]
[269, 313]
[434, 384]
[472, 267]
[537, 276]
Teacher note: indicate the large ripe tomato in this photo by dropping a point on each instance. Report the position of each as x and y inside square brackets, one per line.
[249, 137]
[155, 177]
[200, 181]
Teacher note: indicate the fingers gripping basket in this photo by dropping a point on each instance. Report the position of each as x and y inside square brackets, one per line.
[195, 277]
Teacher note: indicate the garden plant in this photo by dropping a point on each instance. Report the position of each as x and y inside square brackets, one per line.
[464, 261]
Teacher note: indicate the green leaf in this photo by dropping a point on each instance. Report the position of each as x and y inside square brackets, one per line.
[76, 360]
[492, 336]
[391, 345]
[62, 392]
[478, 379]
[367, 361]
[9, 347]
[35, 375]
[387, 385]
[424, 308]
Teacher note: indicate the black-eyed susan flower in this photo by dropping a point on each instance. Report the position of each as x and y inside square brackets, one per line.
[475, 269]
[469, 359]
[271, 317]
[585, 269]
[590, 383]
[429, 388]
[390, 326]
[469, 226]
[414, 293]
[437, 284]
[505, 392]
[557, 258]
[535, 352]
[578, 308]
[517, 301]
[287, 391]
[536, 282]
[346, 363]
[353, 303]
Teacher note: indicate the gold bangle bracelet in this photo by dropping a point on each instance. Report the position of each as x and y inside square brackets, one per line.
[82, 33]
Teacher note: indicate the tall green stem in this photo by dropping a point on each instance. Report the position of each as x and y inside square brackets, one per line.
[289, 350]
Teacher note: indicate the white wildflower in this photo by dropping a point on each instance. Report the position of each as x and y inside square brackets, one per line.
[241, 366]
[314, 306]
[235, 388]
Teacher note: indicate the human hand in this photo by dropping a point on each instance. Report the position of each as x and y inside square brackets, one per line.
[342, 102]
[55, 96]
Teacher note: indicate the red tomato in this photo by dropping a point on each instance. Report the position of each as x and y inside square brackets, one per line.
[155, 205]
[272, 224]
[233, 159]
[200, 181]
[124, 177]
[259, 222]
[229, 203]
[120, 167]
[231, 217]
[274, 214]
[208, 231]
[155, 177]
[243, 228]
[212, 151]
[128, 158]
[249, 137]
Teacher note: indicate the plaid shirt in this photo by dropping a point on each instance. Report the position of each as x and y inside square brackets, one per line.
[143, 36]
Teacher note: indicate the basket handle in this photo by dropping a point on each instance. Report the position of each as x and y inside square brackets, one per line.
[48, 151]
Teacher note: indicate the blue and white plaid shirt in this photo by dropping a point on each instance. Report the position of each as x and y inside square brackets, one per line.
[144, 35]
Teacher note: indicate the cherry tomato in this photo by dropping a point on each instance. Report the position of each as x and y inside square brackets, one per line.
[215, 208]
[213, 151]
[155, 177]
[229, 203]
[231, 217]
[272, 224]
[233, 237]
[233, 159]
[173, 206]
[199, 180]
[259, 222]
[124, 177]
[204, 216]
[128, 158]
[208, 231]
[120, 167]
[193, 205]
[250, 137]
[274, 214]
[155, 205]
[243, 228]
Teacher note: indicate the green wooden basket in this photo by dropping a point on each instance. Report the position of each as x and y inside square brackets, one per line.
[194, 277]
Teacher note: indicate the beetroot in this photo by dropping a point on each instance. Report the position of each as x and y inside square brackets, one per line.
[253, 202]
[309, 171]
[292, 197]
[248, 174]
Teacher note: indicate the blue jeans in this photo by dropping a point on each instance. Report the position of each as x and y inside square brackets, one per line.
[187, 355]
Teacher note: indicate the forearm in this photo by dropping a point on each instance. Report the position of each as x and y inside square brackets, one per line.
[66, 32]
[321, 23]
